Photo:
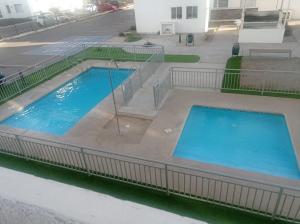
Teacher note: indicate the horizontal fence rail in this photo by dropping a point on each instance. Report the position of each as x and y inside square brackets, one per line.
[274, 201]
[257, 82]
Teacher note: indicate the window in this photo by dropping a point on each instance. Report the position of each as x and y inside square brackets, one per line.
[1, 16]
[18, 8]
[221, 4]
[192, 12]
[176, 12]
[8, 9]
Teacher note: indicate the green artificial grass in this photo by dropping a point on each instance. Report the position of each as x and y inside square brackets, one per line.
[231, 82]
[177, 58]
[206, 212]
[133, 37]
[11, 90]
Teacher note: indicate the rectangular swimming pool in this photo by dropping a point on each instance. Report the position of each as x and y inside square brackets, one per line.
[60, 110]
[251, 141]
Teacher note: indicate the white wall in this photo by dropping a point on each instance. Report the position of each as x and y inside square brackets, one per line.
[267, 5]
[26, 9]
[150, 13]
[45, 5]
[261, 35]
[295, 8]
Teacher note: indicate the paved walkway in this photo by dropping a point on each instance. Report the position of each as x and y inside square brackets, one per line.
[44, 201]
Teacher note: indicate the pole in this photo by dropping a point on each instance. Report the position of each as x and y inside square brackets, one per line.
[114, 100]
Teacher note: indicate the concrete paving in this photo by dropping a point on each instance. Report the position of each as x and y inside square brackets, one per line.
[15, 212]
[43, 201]
[216, 48]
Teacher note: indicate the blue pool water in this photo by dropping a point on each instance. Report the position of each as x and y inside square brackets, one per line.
[258, 142]
[57, 112]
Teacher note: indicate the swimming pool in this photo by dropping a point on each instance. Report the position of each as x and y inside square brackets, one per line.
[60, 110]
[252, 141]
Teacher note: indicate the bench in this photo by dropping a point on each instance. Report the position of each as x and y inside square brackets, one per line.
[271, 51]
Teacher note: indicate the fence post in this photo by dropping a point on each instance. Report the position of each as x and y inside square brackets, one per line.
[167, 179]
[21, 147]
[216, 77]
[277, 203]
[84, 161]
[134, 52]
[18, 87]
[263, 87]
[171, 77]
[156, 94]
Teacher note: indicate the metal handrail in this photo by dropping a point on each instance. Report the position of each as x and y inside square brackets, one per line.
[237, 70]
[221, 174]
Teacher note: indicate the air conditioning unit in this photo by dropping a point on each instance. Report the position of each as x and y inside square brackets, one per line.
[167, 28]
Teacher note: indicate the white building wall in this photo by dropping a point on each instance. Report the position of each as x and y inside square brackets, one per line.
[151, 13]
[261, 35]
[295, 8]
[24, 9]
[267, 5]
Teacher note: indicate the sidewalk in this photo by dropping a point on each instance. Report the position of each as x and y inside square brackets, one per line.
[38, 198]
[53, 27]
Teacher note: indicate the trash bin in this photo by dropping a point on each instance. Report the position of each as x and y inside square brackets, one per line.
[190, 39]
[236, 49]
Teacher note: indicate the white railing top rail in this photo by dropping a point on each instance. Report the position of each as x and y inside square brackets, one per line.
[132, 45]
[239, 70]
[208, 172]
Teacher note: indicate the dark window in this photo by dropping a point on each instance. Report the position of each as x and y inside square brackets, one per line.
[192, 12]
[176, 12]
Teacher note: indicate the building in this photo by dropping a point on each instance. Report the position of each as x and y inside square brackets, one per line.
[194, 16]
[176, 16]
[14, 9]
[27, 8]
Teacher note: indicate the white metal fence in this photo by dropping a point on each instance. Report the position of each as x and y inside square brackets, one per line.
[15, 84]
[259, 82]
[141, 75]
[274, 201]
[161, 89]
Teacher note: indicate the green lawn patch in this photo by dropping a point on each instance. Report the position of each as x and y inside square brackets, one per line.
[206, 212]
[231, 82]
[133, 37]
[177, 58]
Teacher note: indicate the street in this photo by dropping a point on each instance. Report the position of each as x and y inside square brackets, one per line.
[14, 54]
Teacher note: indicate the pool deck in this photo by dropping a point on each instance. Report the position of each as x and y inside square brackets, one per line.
[156, 138]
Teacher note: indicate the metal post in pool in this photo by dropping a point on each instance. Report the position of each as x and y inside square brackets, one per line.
[113, 95]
